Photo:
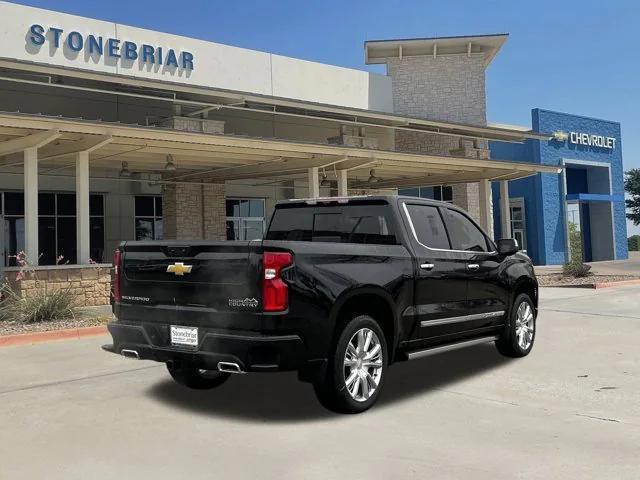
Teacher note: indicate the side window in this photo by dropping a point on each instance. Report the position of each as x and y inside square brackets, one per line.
[464, 234]
[429, 226]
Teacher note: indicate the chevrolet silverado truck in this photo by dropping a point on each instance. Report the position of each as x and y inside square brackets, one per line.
[338, 290]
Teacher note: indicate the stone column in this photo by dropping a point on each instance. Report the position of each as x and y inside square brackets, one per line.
[214, 212]
[194, 212]
[182, 212]
[467, 196]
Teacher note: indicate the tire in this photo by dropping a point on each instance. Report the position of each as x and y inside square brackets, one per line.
[195, 378]
[364, 365]
[520, 332]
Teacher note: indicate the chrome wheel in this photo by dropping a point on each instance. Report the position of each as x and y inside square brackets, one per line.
[524, 325]
[363, 364]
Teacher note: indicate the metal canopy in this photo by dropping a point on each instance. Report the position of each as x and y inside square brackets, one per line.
[218, 157]
[379, 51]
[199, 100]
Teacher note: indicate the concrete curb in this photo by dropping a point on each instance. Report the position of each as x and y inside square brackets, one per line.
[595, 286]
[52, 335]
[621, 283]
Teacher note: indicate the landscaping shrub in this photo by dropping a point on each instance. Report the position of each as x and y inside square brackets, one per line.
[40, 306]
[576, 269]
[576, 266]
[634, 243]
[575, 243]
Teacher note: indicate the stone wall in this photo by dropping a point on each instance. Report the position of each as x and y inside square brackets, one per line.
[194, 212]
[449, 88]
[214, 212]
[91, 285]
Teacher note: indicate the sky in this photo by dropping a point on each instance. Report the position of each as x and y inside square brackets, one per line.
[578, 57]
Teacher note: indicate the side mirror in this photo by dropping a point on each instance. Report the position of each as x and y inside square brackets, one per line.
[508, 246]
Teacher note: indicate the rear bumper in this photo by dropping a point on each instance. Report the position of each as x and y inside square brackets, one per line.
[251, 351]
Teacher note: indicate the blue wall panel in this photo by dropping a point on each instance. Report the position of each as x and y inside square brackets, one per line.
[543, 194]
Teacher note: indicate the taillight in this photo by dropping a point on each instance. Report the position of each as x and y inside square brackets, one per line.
[117, 270]
[275, 293]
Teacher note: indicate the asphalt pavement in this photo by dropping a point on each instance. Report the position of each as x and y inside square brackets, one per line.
[571, 409]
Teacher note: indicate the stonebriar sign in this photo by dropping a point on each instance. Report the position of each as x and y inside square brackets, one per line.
[44, 41]
[97, 45]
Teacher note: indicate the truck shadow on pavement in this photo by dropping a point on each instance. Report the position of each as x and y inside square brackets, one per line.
[280, 397]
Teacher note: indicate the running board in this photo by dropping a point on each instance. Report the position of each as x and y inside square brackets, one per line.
[452, 346]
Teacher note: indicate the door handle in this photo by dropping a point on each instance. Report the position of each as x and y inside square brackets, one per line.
[473, 266]
[427, 266]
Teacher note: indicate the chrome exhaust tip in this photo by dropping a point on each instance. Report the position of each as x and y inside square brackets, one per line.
[229, 367]
[130, 354]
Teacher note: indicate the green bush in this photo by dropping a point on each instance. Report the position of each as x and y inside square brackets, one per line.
[39, 306]
[576, 269]
[634, 243]
[575, 243]
[576, 266]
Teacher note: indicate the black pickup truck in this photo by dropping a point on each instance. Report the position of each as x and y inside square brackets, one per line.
[339, 289]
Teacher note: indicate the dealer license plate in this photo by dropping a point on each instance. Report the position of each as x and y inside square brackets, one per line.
[184, 336]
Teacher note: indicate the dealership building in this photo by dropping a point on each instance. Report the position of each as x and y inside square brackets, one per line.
[110, 132]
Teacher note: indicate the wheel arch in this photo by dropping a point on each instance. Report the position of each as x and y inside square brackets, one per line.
[367, 300]
[528, 286]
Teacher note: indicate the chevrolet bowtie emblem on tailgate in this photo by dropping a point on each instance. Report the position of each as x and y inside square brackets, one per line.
[179, 268]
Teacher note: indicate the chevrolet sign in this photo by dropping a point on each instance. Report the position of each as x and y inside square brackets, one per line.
[589, 140]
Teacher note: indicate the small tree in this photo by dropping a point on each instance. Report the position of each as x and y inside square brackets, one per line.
[575, 267]
[634, 243]
[632, 186]
[575, 243]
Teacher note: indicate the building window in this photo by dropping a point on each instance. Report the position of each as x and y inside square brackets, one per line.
[56, 227]
[12, 208]
[443, 193]
[148, 217]
[245, 218]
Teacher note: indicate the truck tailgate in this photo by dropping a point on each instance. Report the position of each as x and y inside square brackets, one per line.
[211, 275]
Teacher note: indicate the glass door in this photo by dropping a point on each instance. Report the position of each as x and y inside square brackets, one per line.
[518, 225]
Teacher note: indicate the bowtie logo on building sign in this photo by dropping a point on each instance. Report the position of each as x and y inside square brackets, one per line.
[179, 268]
[560, 136]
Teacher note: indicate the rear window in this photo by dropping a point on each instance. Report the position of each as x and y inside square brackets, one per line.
[369, 224]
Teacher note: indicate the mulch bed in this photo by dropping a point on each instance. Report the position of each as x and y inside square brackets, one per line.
[559, 280]
[13, 328]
